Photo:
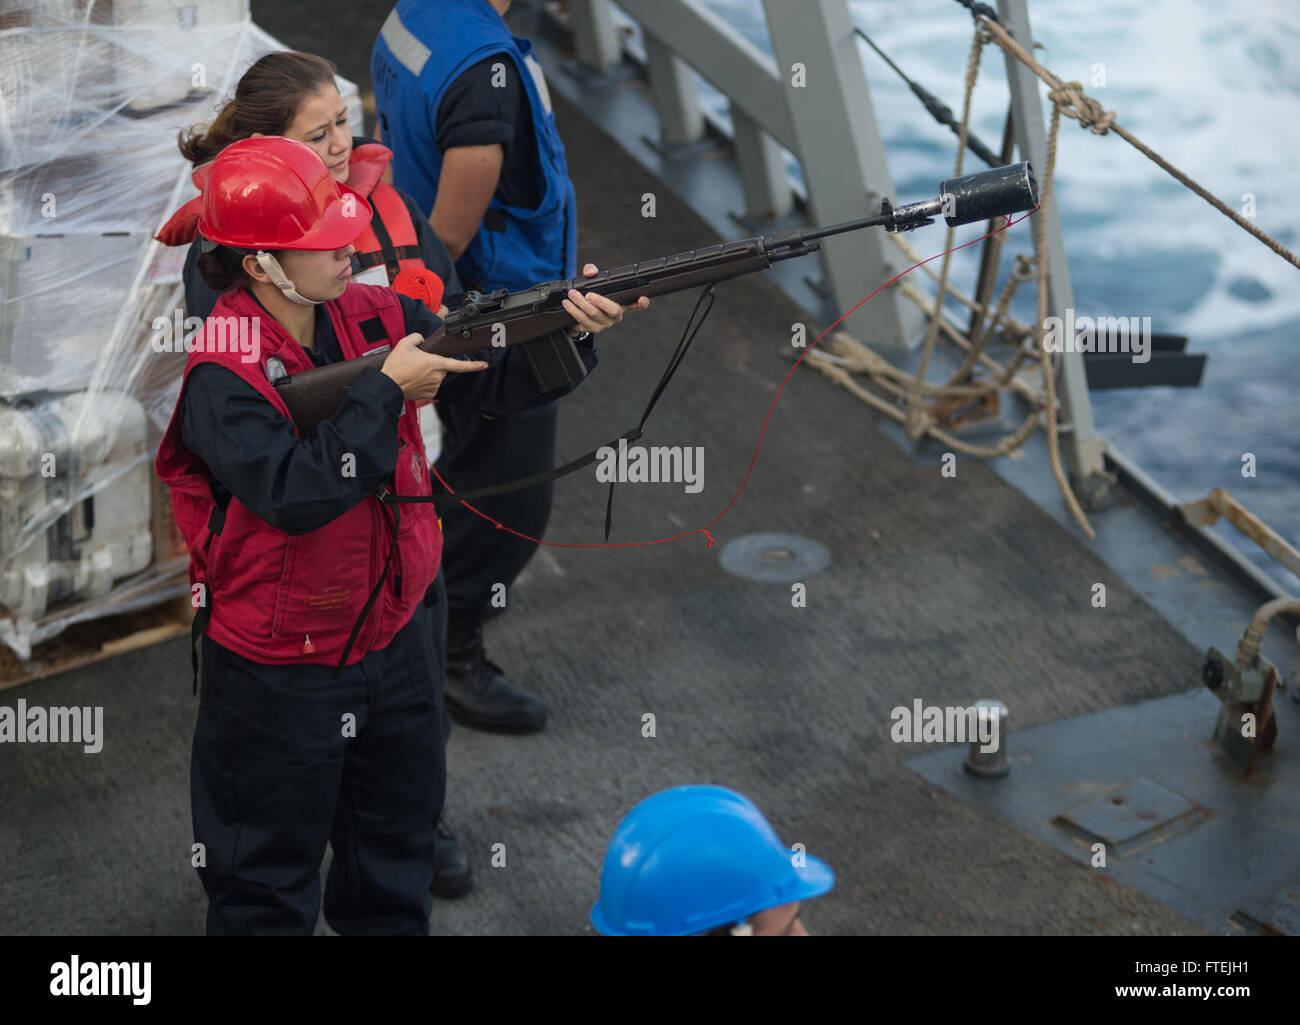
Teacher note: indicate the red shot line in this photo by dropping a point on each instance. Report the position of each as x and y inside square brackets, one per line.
[709, 539]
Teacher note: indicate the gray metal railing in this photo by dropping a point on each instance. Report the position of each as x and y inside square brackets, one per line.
[812, 98]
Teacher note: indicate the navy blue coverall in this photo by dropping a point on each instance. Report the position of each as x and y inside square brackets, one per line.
[273, 776]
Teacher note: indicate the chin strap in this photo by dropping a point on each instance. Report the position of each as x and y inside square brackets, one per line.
[271, 267]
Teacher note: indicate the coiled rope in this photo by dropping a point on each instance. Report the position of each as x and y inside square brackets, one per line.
[926, 406]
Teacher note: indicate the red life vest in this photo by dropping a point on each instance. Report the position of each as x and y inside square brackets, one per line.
[280, 598]
[390, 238]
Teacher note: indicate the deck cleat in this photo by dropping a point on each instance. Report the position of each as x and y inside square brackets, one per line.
[989, 764]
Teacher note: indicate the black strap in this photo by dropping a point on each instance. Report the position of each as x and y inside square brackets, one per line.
[390, 501]
[448, 498]
[689, 332]
[395, 502]
[199, 625]
[705, 301]
[386, 246]
[365, 260]
[197, 628]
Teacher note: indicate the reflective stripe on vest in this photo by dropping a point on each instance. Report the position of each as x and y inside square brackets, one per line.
[409, 51]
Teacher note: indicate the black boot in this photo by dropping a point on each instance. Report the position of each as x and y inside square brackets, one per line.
[451, 873]
[475, 688]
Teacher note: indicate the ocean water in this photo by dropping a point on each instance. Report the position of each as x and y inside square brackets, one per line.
[1211, 88]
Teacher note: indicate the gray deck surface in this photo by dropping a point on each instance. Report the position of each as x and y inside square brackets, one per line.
[943, 589]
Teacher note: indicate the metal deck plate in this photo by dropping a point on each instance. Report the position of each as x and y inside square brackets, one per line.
[1191, 832]
[1279, 915]
[1136, 814]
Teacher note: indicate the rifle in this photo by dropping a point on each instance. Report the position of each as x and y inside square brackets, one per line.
[530, 316]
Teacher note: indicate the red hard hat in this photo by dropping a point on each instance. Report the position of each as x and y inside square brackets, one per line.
[276, 193]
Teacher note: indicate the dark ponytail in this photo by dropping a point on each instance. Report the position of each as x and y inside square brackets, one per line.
[266, 102]
[222, 269]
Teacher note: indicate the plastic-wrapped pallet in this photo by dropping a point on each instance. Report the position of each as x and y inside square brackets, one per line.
[94, 94]
[50, 451]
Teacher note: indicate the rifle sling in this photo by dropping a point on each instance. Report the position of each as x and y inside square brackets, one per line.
[394, 502]
[688, 336]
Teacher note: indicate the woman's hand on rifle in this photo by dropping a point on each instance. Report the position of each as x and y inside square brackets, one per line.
[594, 312]
[418, 373]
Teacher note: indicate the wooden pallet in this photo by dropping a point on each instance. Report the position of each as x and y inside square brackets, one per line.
[87, 642]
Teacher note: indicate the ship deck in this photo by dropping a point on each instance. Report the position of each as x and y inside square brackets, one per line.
[943, 589]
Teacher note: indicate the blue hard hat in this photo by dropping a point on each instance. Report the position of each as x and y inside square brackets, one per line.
[692, 858]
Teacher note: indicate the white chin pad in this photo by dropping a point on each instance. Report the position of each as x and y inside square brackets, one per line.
[271, 267]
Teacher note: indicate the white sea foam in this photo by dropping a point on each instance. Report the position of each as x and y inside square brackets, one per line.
[1213, 88]
[1210, 88]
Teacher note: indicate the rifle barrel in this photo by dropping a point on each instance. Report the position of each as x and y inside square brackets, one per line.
[839, 229]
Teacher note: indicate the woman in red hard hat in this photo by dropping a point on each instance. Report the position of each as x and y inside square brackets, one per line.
[294, 95]
[297, 566]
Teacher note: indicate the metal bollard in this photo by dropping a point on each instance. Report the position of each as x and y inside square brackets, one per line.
[989, 764]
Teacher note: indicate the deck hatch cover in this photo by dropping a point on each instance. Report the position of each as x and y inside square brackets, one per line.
[1135, 814]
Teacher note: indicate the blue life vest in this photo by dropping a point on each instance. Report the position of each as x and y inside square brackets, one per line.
[424, 46]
